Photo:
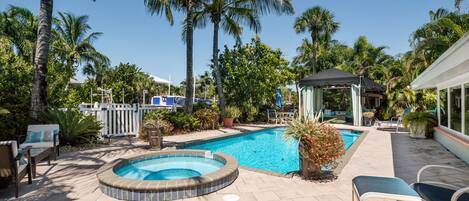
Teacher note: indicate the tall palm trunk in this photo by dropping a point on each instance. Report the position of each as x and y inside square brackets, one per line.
[314, 43]
[189, 71]
[216, 67]
[39, 89]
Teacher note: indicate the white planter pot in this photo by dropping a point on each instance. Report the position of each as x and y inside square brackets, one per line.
[418, 131]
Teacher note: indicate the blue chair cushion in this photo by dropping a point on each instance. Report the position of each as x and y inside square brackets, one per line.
[34, 136]
[436, 193]
[384, 185]
[23, 160]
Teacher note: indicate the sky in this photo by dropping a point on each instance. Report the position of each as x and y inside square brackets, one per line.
[131, 34]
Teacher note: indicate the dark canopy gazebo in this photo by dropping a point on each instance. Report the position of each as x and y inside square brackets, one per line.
[312, 91]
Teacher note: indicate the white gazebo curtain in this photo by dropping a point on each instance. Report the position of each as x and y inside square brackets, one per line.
[356, 105]
[312, 101]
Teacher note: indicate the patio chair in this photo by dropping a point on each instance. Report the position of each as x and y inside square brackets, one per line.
[14, 163]
[272, 116]
[434, 190]
[43, 136]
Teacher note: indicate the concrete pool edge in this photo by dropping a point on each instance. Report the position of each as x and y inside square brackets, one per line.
[129, 189]
[343, 161]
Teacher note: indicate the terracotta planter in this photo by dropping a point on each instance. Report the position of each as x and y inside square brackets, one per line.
[228, 122]
[308, 169]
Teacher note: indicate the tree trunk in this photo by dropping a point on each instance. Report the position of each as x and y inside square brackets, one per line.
[189, 69]
[216, 67]
[39, 90]
[314, 51]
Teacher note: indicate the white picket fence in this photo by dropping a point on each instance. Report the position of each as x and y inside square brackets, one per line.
[119, 119]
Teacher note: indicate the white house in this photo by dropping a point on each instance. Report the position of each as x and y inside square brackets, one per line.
[449, 74]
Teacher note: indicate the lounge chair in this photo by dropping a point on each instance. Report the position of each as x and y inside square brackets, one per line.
[394, 122]
[14, 163]
[433, 190]
[43, 136]
[395, 188]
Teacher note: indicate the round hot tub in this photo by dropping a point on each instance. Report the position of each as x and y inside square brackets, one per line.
[167, 175]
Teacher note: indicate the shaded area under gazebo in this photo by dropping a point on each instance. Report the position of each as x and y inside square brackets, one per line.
[312, 91]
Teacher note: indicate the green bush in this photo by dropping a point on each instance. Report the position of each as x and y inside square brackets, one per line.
[75, 127]
[232, 112]
[180, 120]
[184, 121]
[250, 112]
[208, 118]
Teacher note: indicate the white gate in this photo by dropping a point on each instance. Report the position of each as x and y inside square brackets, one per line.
[119, 119]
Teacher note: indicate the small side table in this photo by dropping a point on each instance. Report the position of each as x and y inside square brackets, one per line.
[382, 187]
[39, 154]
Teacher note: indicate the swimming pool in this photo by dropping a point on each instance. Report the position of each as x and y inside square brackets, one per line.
[266, 149]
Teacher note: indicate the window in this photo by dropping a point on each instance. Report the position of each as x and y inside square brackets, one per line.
[466, 113]
[443, 108]
[455, 107]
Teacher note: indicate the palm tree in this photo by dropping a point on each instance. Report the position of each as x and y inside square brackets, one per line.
[74, 43]
[19, 25]
[320, 24]
[39, 89]
[97, 70]
[229, 14]
[188, 7]
[457, 5]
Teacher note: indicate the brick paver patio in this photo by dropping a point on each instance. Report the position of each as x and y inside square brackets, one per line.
[381, 153]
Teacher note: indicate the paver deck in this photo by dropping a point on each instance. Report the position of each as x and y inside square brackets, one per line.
[73, 175]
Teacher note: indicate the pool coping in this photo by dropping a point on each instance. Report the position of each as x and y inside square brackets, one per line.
[342, 161]
[109, 179]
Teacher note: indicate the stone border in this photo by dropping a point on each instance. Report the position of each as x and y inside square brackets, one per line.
[129, 189]
[341, 162]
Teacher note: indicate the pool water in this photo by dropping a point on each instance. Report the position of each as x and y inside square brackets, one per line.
[266, 149]
[169, 168]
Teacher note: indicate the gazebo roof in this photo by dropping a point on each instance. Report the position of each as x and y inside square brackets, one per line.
[336, 77]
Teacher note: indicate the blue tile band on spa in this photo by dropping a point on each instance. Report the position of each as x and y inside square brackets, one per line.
[266, 149]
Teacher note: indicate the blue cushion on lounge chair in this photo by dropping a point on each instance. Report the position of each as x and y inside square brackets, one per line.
[34, 136]
[436, 193]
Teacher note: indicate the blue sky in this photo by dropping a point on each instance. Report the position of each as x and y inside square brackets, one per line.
[132, 35]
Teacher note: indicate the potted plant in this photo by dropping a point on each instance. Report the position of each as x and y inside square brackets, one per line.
[368, 118]
[320, 145]
[229, 115]
[419, 123]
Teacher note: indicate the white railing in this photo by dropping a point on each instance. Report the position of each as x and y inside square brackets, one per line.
[119, 119]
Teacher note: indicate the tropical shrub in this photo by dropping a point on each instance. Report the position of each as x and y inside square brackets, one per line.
[184, 121]
[250, 112]
[420, 123]
[208, 118]
[75, 127]
[165, 127]
[320, 144]
[232, 112]
[179, 120]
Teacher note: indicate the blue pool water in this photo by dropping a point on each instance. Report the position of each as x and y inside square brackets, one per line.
[266, 149]
[169, 168]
